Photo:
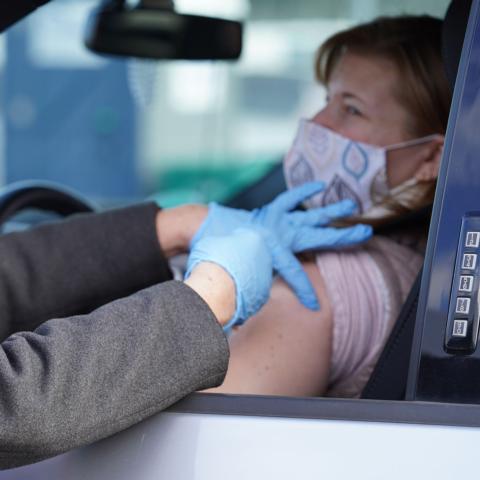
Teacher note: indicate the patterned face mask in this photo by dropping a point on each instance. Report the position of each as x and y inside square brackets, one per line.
[349, 169]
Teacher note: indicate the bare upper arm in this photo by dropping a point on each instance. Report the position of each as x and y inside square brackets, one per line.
[284, 349]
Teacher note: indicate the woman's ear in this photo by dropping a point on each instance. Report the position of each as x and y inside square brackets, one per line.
[431, 156]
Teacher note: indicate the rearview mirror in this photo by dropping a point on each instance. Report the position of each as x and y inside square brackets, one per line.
[152, 29]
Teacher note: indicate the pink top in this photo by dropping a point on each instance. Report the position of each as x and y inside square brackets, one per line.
[367, 287]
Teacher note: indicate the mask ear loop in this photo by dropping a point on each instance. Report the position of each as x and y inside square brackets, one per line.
[413, 143]
[400, 190]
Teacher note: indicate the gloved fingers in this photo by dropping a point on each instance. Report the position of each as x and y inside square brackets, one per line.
[323, 215]
[291, 270]
[311, 238]
[288, 200]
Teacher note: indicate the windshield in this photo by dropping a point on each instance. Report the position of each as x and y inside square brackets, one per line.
[119, 131]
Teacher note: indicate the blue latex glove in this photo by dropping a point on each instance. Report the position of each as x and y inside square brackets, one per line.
[246, 257]
[288, 232]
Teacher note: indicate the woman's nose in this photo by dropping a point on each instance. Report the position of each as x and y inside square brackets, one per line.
[325, 118]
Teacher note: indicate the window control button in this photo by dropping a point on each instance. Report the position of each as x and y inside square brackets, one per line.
[472, 239]
[466, 283]
[469, 261]
[460, 328]
[463, 305]
[461, 336]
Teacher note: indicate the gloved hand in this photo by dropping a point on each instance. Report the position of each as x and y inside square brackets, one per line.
[246, 257]
[288, 232]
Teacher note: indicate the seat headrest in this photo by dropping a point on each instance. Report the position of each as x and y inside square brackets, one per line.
[454, 27]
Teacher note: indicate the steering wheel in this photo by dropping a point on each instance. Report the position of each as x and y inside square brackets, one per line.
[44, 196]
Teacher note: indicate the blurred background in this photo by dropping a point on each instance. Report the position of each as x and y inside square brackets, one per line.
[119, 131]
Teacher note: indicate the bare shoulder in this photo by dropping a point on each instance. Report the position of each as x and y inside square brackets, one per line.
[285, 349]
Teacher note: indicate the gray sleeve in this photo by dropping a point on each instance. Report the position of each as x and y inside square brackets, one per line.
[76, 380]
[74, 266]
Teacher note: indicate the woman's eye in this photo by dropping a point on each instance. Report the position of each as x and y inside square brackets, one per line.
[351, 110]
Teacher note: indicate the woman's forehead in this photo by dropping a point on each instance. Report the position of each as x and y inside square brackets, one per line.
[373, 79]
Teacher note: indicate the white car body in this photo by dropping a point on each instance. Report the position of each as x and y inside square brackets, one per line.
[355, 439]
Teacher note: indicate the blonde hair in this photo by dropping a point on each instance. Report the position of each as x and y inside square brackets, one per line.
[413, 44]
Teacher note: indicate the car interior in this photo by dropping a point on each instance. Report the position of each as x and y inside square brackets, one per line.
[419, 362]
[107, 34]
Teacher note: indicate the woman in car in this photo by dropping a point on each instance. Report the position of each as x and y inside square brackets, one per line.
[378, 141]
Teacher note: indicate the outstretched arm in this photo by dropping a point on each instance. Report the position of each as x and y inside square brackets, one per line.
[74, 266]
[76, 380]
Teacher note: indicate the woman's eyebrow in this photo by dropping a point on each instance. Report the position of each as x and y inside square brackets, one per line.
[350, 96]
